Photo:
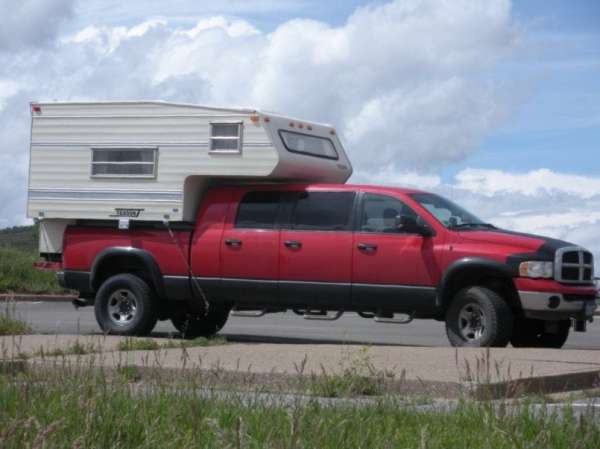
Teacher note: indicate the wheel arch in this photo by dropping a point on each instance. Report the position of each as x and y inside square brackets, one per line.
[477, 271]
[115, 260]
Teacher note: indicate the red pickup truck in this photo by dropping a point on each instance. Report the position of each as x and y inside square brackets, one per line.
[322, 250]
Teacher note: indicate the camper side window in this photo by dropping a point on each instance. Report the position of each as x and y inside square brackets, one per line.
[226, 137]
[124, 162]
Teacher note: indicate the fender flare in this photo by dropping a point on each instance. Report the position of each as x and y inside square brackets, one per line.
[146, 258]
[459, 266]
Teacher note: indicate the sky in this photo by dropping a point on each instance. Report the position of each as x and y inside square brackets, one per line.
[493, 104]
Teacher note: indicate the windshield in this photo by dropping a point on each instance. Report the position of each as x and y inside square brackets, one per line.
[448, 213]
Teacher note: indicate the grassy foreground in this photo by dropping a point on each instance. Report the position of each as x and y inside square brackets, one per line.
[18, 252]
[85, 410]
[17, 274]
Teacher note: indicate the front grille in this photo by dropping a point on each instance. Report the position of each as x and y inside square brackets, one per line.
[574, 265]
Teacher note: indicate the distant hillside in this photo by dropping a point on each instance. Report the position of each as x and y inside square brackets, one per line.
[24, 238]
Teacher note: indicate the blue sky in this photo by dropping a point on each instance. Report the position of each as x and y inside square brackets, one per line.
[558, 126]
[494, 103]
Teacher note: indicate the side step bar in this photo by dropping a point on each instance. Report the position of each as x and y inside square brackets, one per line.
[248, 313]
[253, 313]
[392, 320]
[321, 315]
[387, 317]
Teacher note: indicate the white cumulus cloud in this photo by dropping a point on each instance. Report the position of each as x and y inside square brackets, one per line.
[533, 183]
[31, 23]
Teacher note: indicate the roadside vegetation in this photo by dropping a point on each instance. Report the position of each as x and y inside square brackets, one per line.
[10, 324]
[88, 409]
[149, 344]
[18, 252]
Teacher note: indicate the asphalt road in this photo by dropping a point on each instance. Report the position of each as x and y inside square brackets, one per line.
[63, 318]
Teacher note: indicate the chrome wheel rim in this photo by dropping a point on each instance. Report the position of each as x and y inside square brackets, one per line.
[122, 307]
[472, 322]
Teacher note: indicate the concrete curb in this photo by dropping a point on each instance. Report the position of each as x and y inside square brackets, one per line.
[23, 297]
[287, 384]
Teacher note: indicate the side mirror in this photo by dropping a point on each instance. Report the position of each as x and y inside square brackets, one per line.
[409, 225]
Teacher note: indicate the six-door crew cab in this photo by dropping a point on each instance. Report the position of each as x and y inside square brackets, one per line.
[321, 250]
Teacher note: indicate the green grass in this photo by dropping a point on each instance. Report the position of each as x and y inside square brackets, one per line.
[76, 348]
[10, 324]
[24, 238]
[17, 274]
[88, 410]
[148, 344]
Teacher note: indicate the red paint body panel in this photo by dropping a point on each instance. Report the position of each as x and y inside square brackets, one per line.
[398, 259]
[205, 254]
[322, 256]
[551, 286]
[83, 244]
[256, 257]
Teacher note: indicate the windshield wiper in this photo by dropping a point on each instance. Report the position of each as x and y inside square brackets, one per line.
[472, 225]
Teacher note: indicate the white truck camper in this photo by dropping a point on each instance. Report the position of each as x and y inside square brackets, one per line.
[152, 160]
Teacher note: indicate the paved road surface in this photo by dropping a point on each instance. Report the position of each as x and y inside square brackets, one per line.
[53, 318]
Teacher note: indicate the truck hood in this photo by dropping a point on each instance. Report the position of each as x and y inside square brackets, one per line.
[543, 248]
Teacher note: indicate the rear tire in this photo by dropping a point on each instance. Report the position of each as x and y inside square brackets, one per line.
[194, 325]
[478, 317]
[126, 305]
[529, 333]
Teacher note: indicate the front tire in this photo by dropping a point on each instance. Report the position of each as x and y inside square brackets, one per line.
[529, 333]
[479, 317]
[195, 325]
[125, 305]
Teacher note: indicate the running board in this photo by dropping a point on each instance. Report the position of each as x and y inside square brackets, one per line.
[322, 315]
[248, 313]
[392, 320]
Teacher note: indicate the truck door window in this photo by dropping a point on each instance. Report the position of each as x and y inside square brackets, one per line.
[323, 211]
[380, 214]
[258, 210]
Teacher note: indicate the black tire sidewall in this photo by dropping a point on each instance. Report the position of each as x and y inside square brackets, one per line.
[494, 309]
[146, 316]
[192, 326]
[530, 333]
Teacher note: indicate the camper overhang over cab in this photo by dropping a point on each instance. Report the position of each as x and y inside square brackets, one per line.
[151, 160]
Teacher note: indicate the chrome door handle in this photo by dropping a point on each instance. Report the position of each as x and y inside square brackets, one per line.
[293, 244]
[233, 242]
[367, 246]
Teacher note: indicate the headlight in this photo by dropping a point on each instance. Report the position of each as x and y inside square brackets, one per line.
[536, 269]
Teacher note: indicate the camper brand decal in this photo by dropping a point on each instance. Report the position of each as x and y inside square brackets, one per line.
[129, 213]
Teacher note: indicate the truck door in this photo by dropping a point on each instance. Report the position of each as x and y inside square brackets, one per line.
[250, 248]
[392, 269]
[315, 250]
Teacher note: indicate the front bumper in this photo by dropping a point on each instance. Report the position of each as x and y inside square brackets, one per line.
[550, 300]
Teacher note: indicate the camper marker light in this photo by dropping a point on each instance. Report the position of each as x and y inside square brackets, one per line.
[292, 124]
[36, 108]
[254, 118]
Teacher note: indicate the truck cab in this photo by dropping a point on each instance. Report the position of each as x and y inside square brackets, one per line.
[325, 249]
